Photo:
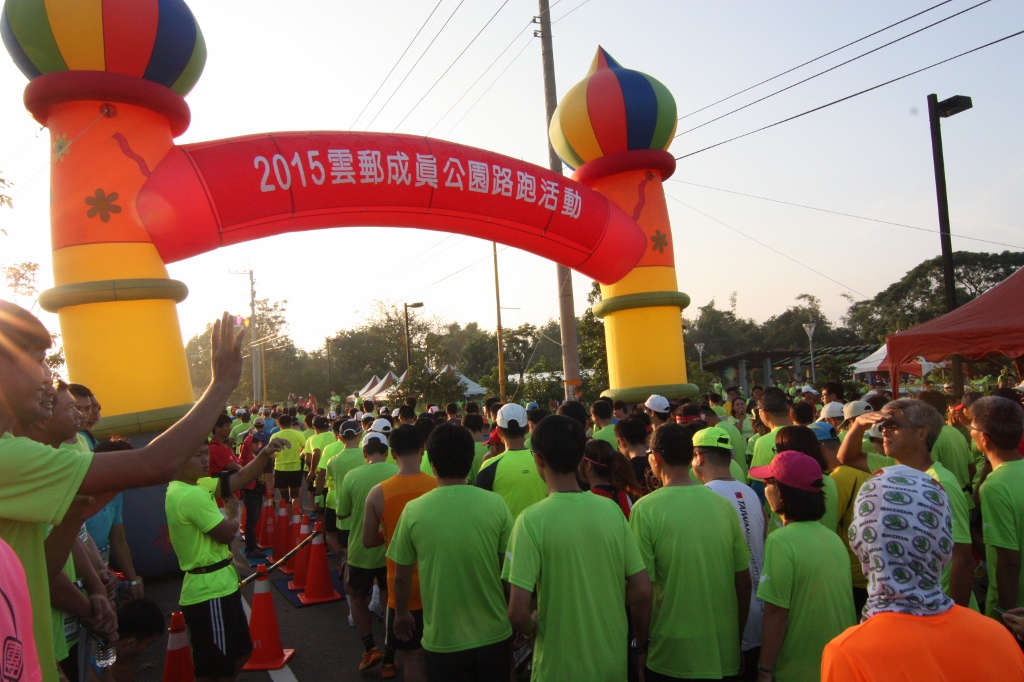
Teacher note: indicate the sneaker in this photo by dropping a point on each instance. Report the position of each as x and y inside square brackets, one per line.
[377, 609]
[389, 670]
[371, 658]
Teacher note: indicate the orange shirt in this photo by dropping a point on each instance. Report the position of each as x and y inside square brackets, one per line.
[957, 645]
[398, 491]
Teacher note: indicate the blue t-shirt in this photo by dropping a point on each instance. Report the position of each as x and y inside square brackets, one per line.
[101, 522]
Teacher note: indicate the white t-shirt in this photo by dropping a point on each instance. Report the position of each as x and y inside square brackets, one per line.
[748, 507]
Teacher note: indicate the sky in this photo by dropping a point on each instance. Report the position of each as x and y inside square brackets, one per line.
[314, 65]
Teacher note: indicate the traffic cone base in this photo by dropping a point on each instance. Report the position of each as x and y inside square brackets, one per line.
[178, 659]
[281, 532]
[265, 525]
[267, 653]
[318, 578]
[301, 558]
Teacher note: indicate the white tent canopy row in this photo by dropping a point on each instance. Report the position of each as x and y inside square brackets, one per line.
[390, 384]
[369, 384]
[878, 362]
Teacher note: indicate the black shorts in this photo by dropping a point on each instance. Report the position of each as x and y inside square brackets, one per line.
[391, 640]
[652, 676]
[331, 521]
[287, 479]
[360, 580]
[482, 664]
[219, 633]
[343, 539]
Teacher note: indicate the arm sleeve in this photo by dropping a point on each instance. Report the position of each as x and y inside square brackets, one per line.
[776, 586]
[740, 551]
[522, 558]
[39, 482]
[507, 522]
[632, 560]
[116, 506]
[402, 550]
[836, 666]
[200, 510]
[999, 518]
[959, 512]
[485, 479]
[345, 498]
[642, 537]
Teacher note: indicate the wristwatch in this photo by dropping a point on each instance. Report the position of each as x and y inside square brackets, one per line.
[637, 648]
[762, 669]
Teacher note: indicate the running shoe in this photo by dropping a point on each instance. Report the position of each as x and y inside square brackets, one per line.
[371, 658]
[389, 670]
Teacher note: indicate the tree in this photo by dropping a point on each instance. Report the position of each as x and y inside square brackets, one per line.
[479, 355]
[919, 295]
[20, 278]
[5, 199]
[542, 385]
[520, 345]
[593, 350]
[722, 332]
[787, 329]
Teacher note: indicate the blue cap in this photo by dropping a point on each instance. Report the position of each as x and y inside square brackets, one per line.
[351, 428]
[532, 406]
[824, 431]
[261, 436]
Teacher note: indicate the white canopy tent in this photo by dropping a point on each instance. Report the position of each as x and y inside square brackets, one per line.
[382, 386]
[878, 362]
[362, 392]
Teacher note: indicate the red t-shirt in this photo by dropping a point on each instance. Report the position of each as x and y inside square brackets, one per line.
[220, 457]
[246, 456]
[20, 660]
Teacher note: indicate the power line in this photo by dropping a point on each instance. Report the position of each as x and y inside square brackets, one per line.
[454, 62]
[418, 59]
[476, 262]
[103, 113]
[399, 61]
[811, 61]
[770, 248]
[833, 68]
[570, 11]
[856, 94]
[840, 213]
[471, 106]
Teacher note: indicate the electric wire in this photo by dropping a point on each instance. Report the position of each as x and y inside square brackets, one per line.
[397, 62]
[476, 262]
[846, 215]
[770, 248]
[50, 160]
[856, 94]
[569, 12]
[415, 64]
[832, 68]
[493, 83]
[454, 62]
[819, 57]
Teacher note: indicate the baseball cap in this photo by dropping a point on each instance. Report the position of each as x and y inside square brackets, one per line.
[658, 403]
[240, 411]
[374, 437]
[261, 436]
[824, 430]
[875, 431]
[794, 469]
[494, 438]
[532, 406]
[381, 426]
[712, 437]
[808, 389]
[385, 410]
[512, 412]
[833, 410]
[350, 428]
[359, 416]
[855, 409]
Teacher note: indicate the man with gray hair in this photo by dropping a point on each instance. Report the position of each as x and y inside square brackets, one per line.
[909, 431]
[902, 533]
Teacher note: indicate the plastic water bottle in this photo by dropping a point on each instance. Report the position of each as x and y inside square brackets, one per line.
[103, 654]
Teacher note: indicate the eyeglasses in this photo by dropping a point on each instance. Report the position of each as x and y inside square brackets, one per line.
[973, 428]
[896, 426]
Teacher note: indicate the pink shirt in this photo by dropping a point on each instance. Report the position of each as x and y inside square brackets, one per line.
[18, 656]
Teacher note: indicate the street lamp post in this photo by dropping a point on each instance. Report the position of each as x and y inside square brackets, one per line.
[408, 352]
[700, 354]
[809, 328]
[936, 110]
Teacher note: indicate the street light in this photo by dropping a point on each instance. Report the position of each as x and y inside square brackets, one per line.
[408, 353]
[700, 354]
[809, 328]
[936, 110]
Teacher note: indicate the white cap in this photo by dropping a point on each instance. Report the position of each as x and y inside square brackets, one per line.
[381, 426]
[512, 412]
[240, 411]
[658, 403]
[385, 410]
[359, 416]
[374, 437]
[432, 409]
[855, 409]
[808, 389]
[834, 410]
[875, 431]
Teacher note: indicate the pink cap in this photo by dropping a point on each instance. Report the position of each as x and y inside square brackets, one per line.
[792, 468]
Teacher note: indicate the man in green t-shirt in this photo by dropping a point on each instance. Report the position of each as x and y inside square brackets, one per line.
[456, 536]
[996, 428]
[201, 537]
[364, 566]
[40, 482]
[700, 570]
[737, 445]
[475, 424]
[575, 551]
[313, 449]
[513, 474]
[288, 465]
[330, 475]
[773, 411]
[909, 430]
[604, 429]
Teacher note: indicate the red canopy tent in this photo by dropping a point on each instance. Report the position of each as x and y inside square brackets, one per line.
[991, 323]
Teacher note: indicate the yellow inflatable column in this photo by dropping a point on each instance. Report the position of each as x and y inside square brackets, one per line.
[614, 128]
[115, 301]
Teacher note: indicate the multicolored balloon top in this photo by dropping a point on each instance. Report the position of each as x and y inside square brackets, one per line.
[612, 110]
[158, 40]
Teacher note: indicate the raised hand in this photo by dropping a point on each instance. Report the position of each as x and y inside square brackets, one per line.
[226, 352]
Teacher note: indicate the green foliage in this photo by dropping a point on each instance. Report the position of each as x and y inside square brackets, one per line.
[20, 278]
[438, 388]
[592, 349]
[543, 384]
[832, 368]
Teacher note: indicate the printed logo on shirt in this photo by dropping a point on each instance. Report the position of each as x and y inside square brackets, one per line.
[921, 543]
[894, 522]
[928, 519]
[894, 548]
[896, 497]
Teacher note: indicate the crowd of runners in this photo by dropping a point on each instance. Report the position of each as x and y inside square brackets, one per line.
[786, 535]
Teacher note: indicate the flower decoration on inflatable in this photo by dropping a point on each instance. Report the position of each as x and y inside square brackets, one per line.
[612, 110]
[158, 40]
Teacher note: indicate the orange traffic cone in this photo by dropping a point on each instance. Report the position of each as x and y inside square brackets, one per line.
[298, 581]
[281, 532]
[265, 526]
[267, 653]
[318, 576]
[293, 538]
[178, 659]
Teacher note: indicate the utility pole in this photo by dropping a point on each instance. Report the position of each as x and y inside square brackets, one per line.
[257, 364]
[501, 343]
[936, 110]
[566, 305]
